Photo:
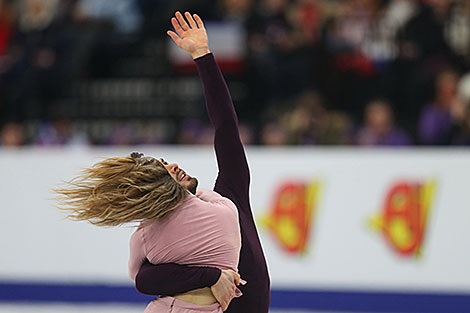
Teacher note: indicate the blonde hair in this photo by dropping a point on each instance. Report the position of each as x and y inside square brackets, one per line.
[121, 190]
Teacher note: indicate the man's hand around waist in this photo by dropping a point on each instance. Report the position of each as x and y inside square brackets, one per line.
[225, 289]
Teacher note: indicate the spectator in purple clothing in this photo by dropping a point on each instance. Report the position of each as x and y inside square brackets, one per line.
[437, 118]
[379, 128]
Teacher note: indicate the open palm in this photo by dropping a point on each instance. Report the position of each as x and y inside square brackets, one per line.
[191, 38]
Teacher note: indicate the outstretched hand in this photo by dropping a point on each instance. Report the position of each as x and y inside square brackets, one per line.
[191, 38]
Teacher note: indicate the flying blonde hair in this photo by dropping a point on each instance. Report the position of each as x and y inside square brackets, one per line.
[121, 190]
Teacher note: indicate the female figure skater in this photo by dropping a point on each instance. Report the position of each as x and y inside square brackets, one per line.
[232, 182]
[202, 230]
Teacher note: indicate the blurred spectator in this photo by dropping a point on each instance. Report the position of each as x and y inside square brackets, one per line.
[124, 14]
[36, 15]
[349, 35]
[423, 52]
[190, 131]
[247, 135]
[151, 133]
[278, 59]
[47, 135]
[379, 128]
[7, 20]
[303, 121]
[354, 23]
[310, 123]
[197, 132]
[52, 53]
[137, 132]
[39, 58]
[239, 10]
[457, 31]
[437, 118]
[274, 134]
[60, 132]
[122, 135]
[464, 88]
[11, 135]
[423, 35]
[395, 15]
[461, 113]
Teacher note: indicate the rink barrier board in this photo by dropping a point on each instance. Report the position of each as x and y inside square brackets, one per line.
[311, 299]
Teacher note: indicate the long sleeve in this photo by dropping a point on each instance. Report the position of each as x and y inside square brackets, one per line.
[231, 159]
[171, 279]
[233, 182]
[136, 253]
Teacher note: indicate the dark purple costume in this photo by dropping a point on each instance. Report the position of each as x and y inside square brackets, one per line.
[232, 182]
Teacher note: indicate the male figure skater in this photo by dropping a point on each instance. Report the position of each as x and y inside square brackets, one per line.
[233, 182]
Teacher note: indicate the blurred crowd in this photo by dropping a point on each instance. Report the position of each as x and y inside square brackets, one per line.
[312, 72]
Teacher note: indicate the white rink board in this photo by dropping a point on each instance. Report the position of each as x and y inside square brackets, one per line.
[37, 244]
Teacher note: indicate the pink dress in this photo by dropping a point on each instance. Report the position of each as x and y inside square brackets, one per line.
[203, 231]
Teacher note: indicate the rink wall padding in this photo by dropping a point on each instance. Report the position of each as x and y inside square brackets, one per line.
[289, 299]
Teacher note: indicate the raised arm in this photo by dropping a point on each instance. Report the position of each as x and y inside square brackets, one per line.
[231, 159]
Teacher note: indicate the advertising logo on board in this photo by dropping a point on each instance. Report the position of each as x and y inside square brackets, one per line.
[290, 217]
[404, 216]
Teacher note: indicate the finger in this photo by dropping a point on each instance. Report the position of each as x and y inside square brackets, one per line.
[224, 305]
[236, 278]
[174, 36]
[227, 303]
[234, 292]
[192, 23]
[177, 26]
[181, 20]
[199, 22]
[243, 282]
[238, 293]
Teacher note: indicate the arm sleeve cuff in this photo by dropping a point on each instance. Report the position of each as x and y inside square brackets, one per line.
[204, 57]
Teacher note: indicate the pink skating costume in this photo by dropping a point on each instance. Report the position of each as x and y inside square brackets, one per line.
[203, 231]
